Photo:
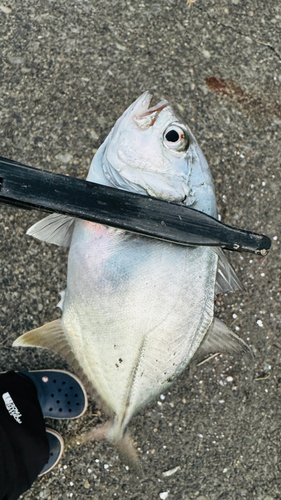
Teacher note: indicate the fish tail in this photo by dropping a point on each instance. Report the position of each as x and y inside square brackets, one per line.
[128, 453]
[123, 442]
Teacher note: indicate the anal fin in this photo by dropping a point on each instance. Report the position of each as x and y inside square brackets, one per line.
[49, 336]
[53, 336]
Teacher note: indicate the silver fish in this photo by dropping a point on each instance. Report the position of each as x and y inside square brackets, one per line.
[136, 310]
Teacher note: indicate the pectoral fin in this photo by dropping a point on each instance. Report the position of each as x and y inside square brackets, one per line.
[62, 297]
[220, 338]
[227, 279]
[55, 228]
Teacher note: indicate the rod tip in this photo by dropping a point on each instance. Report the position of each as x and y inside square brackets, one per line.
[262, 252]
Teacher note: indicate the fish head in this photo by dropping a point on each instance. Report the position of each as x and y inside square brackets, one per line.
[152, 152]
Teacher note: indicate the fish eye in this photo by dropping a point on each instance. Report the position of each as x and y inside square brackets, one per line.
[176, 138]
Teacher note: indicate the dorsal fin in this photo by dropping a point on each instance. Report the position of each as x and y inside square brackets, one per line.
[55, 228]
[219, 338]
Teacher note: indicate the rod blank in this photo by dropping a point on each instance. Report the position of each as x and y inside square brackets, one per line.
[31, 188]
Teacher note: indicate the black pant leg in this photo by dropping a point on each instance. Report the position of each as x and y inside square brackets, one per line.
[24, 447]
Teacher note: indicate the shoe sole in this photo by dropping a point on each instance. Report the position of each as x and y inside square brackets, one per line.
[56, 450]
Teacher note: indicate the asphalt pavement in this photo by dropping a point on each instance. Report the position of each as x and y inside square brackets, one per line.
[68, 71]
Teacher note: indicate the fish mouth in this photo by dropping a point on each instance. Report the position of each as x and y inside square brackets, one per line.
[147, 118]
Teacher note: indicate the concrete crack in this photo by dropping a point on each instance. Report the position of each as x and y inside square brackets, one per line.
[246, 35]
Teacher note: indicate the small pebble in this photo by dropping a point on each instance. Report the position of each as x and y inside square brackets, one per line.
[206, 54]
[64, 158]
[86, 484]
[5, 9]
[170, 472]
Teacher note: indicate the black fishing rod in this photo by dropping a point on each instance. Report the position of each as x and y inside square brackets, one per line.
[31, 188]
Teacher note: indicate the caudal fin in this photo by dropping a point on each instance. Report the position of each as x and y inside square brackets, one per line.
[125, 445]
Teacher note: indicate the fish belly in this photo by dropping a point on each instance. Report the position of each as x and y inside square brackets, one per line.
[136, 310]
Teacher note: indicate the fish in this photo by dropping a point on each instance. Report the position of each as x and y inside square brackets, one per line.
[137, 310]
